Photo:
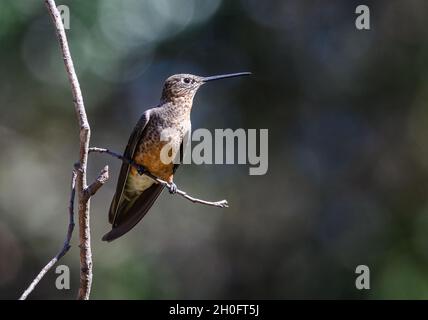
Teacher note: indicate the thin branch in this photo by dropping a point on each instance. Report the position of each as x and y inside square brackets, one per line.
[142, 170]
[66, 245]
[85, 134]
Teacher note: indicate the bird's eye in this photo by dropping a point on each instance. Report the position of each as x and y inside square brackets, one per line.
[186, 80]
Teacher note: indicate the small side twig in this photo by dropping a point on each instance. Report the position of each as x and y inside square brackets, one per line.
[142, 170]
[67, 240]
[98, 183]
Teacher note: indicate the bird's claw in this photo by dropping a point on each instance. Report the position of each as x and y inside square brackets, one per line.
[141, 170]
[172, 188]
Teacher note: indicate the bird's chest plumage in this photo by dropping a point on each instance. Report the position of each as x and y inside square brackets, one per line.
[160, 144]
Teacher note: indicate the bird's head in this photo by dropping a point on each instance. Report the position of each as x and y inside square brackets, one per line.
[185, 85]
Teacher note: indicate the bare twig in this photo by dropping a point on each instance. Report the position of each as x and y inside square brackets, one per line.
[85, 134]
[98, 183]
[142, 170]
[66, 245]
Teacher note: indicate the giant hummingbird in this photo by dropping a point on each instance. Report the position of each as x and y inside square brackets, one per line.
[136, 192]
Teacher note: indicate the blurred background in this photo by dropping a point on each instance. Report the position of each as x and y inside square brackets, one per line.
[348, 156]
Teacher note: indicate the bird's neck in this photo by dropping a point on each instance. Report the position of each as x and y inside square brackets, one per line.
[180, 106]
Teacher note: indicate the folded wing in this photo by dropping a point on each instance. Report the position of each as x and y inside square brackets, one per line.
[125, 212]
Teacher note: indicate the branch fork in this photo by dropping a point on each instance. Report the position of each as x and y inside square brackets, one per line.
[79, 182]
[90, 191]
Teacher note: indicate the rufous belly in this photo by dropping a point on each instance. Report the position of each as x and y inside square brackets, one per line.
[152, 160]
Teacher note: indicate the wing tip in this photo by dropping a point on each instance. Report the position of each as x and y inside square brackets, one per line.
[107, 237]
[133, 215]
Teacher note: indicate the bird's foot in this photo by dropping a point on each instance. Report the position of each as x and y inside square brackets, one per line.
[141, 170]
[172, 188]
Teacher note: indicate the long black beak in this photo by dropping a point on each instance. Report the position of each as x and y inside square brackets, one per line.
[224, 76]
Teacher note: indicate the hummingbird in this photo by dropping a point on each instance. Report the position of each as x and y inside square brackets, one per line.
[136, 192]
